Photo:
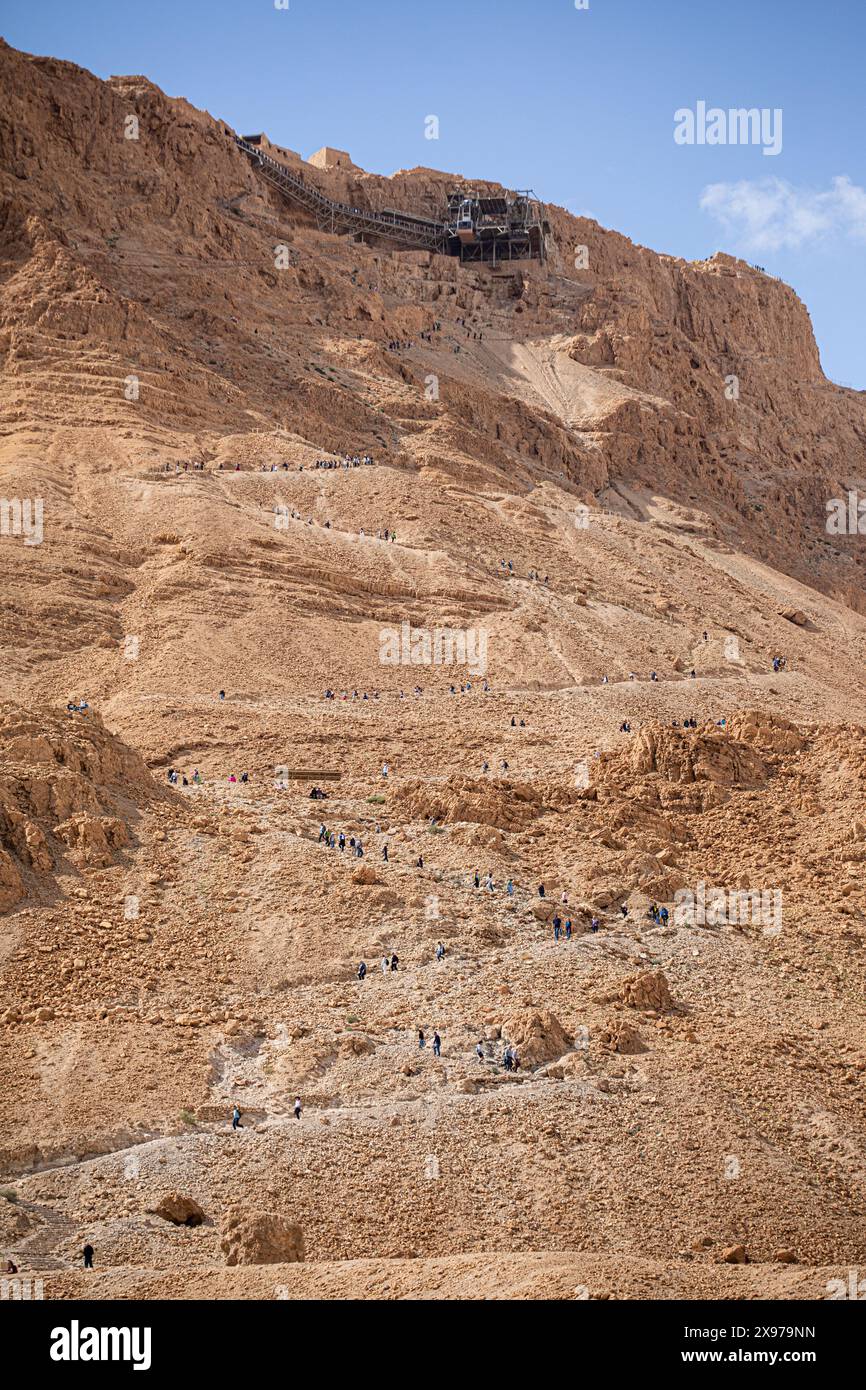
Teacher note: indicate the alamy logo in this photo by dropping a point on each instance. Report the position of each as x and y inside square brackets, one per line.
[855, 1288]
[712, 907]
[18, 1290]
[846, 516]
[21, 517]
[77, 1343]
[440, 646]
[738, 126]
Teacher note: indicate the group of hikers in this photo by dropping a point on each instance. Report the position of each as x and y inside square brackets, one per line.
[236, 1113]
[74, 707]
[296, 516]
[688, 723]
[180, 779]
[385, 535]
[489, 883]
[466, 688]
[508, 567]
[355, 695]
[389, 966]
[510, 1060]
[563, 930]
[335, 839]
[404, 344]
[348, 461]
[290, 514]
[653, 675]
[470, 332]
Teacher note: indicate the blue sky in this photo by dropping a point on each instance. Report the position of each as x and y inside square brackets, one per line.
[578, 104]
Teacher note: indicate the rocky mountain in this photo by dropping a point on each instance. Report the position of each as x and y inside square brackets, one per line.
[586, 629]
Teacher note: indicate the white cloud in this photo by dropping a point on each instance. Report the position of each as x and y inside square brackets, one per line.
[768, 214]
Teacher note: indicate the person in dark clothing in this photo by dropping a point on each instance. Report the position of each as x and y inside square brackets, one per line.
[88, 1256]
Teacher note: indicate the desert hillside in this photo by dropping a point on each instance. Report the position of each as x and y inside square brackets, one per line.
[655, 689]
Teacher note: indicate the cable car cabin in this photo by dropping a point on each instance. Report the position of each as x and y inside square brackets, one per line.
[466, 223]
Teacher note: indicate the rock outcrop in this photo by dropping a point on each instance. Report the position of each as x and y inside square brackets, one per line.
[537, 1034]
[259, 1238]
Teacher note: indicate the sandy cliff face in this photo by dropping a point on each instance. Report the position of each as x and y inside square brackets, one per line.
[575, 485]
[154, 257]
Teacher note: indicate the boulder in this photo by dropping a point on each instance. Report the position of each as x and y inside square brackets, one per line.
[648, 990]
[365, 874]
[735, 1255]
[92, 840]
[537, 1034]
[259, 1238]
[179, 1210]
[618, 1036]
